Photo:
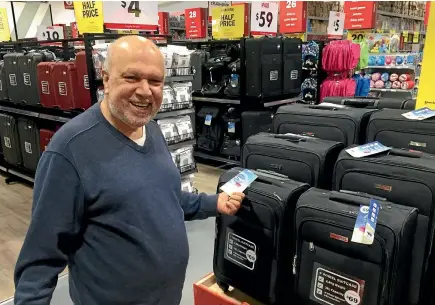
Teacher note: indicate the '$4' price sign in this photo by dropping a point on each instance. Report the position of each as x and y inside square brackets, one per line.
[264, 18]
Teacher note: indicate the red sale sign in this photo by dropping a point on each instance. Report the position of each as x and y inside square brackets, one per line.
[163, 23]
[426, 14]
[359, 15]
[292, 17]
[196, 22]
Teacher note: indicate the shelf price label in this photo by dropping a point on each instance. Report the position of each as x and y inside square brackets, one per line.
[336, 25]
[49, 32]
[264, 18]
[357, 36]
[195, 22]
[292, 17]
[131, 15]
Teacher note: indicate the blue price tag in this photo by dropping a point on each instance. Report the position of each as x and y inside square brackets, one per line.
[365, 224]
[208, 118]
[367, 149]
[231, 127]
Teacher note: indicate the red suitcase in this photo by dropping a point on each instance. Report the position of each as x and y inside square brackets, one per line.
[46, 84]
[45, 136]
[65, 79]
[83, 92]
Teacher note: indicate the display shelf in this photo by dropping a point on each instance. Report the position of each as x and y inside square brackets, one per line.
[391, 67]
[203, 155]
[391, 90]
[182, 144]
[179, 78]
[174, 113]
[391, 14]
[34, 111]
[215, 100]
[282, 102]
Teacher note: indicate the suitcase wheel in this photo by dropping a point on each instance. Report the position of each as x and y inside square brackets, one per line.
[222, 285]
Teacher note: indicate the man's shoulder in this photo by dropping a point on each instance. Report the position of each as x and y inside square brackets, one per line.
[72, 131]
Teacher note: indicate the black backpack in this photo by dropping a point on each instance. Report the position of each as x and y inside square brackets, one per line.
[209, 126]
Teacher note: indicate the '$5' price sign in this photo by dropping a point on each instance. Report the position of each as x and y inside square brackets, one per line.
[264, 18]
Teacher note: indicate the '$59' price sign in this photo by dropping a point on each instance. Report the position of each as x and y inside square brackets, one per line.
[264, 18]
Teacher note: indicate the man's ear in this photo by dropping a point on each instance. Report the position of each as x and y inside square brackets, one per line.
[105, 81]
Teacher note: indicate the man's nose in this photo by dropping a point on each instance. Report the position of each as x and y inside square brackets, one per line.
[143, 88]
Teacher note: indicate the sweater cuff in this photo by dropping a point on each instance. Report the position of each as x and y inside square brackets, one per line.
[209, 205]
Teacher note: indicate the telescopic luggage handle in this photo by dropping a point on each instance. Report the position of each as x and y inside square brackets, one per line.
[270, 177]
[357, 103]
[354, 198]
[326, 107]
[291, 138]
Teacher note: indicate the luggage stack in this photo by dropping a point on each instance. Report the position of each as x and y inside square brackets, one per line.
[322, 226]
[35, 78]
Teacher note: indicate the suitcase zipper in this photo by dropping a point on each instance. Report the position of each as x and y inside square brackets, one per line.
[385, 269]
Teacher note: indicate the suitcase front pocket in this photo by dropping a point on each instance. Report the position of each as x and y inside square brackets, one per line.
[334, 270]
[406, 139]
[325, 132]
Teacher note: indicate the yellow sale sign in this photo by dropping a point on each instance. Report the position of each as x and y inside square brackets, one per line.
[228, 22]
[89, 16]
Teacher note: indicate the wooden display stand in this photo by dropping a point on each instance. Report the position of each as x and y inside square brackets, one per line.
[208, 292]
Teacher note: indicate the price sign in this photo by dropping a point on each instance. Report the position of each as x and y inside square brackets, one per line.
[213, 4]
[89, 16]
[49, 32]
[336, 25]
[163, 23]
[359, 15]
[134, 15]
[357, 36]
[292, 16]
[195, 22]
[264, 18]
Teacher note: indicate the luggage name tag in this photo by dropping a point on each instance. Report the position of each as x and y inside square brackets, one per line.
[365, 224]
[240, 182]
[231, 127]
[419, 114]
[208, 118]
[367, 149]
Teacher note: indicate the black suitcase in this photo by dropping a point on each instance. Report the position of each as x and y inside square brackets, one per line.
[252, 248]
[15, 84]
[292, 56]
[264, 66]
[341, 124]
[197, 60]
[389, 127]
[254, 122]
[27, 67]
[10, 139]
[371, 102]
[406, 178]
[331, 269]
[305, 159]
[3, 83]
[29, 141]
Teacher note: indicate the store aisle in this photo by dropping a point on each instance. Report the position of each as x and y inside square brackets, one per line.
[15, 207]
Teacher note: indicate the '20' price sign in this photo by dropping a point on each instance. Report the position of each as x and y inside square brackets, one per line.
[264, 18]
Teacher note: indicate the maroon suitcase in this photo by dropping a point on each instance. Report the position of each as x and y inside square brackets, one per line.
[83, 92]
[65, 78]
[45, 136]
[46, 84]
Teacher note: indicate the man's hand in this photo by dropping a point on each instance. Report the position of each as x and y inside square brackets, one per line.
[229, 204]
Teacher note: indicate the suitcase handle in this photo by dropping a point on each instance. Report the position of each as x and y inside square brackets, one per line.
[291, 138]
[361, 104]
[268, 173]
[405, 153]
[354, 198]
[265, 177]
[325, 107]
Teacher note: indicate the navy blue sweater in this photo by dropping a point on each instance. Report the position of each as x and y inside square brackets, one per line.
[114, 212]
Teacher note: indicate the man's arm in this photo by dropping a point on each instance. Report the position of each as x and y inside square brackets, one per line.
[198, 206]
[56, 221]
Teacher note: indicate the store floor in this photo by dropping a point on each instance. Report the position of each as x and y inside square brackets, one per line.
[15, 207]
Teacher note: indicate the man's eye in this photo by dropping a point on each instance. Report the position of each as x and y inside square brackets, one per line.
[130, 78]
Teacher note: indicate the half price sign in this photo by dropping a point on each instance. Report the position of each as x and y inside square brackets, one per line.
[264, 18]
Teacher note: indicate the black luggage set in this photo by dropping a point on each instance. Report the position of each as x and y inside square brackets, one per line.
[291, 244]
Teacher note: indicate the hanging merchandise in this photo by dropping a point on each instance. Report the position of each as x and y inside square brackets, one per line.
[310, 56]
[309, 90]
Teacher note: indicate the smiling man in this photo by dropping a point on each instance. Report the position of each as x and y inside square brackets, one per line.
[108, 200]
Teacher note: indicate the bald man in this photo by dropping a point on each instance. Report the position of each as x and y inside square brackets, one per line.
[108, 200]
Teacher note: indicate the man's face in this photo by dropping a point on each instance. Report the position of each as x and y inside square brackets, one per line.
[134, 85]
